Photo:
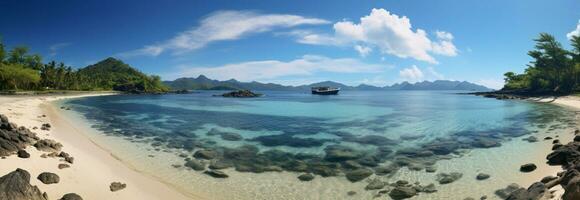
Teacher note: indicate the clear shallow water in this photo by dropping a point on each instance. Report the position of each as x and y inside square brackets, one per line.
[407, 131]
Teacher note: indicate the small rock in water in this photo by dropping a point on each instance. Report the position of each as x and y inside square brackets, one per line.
[351, 193]
[116, 186]
[376, 184]
[444, 178]
[48, 178]
[71, 196]
[23, 154]
[306, 177]
[430, 169]
[505, 192]
[195, 165]
[402, 192]
[531, 139]
[528, 167]
[548, 138]
[205, 154]
[216, 174]
[358, 174]
[482, 176]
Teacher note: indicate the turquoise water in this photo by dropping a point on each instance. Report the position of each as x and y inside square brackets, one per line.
[323, 135]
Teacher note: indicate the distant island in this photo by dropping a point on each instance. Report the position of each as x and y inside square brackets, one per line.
[204, 83]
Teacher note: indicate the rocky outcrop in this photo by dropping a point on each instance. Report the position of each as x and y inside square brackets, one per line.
[16, 186]
[14, 138]
[241, 94]
[48, 145]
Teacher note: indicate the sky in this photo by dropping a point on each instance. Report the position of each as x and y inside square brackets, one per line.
[294, 42]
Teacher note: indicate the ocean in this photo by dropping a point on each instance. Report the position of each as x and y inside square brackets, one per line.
[346, 141]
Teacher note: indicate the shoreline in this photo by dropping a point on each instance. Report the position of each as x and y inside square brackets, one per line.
[90, 159]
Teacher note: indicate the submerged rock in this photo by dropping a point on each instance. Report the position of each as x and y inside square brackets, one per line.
[444, 178]
[375, 184]
[402, 192]
[116, 186]
[531, 139]
[306, 177]
[340, 153]
[48, 178]
[206, 154]
[16, 186]
[505, 192]
[358, 174]
[195, 165]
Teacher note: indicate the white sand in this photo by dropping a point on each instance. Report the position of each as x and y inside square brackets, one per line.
[94, 168]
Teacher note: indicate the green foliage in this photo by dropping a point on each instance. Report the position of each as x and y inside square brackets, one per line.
[553, 70]
[23, 71]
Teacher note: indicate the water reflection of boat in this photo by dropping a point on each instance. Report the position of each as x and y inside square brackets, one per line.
[325, 90]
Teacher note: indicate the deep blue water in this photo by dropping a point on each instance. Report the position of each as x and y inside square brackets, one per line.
[302, 132]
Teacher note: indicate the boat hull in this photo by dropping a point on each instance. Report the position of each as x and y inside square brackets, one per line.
[332, 92]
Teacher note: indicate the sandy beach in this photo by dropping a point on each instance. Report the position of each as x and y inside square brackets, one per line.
[94, 168]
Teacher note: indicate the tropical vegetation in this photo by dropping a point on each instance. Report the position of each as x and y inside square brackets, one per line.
[20, 70]
[553, 70]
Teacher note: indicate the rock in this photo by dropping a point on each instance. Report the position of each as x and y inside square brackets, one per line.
[548, 179]
[385, 170]
[216, 174]
[528, 167]
[548, 138]
[430, 169]
[556, 146]
[71, 196]
[16, 186]
[535, 192]
[13, 138]
[563, 155]
[48, 145]
[116, 186]
[340, 153]
[45, 127]
[306, 177]
[375, 184]
[572, 189]
[482, 142]
[469, 198]
[429, 188]
[531, 139]
[48, 178]
[206, 154]
[556, 141]
[220, 164]
[444, 178]
[195, 165]
[402, 182]
[358, 174]
[577, 138]
[351, 193]
[69, 159]
[231, 136]
[23, 154]
[482, 176]
[62, 166]
[402, 192]
[241, 94]
[351, 164]
[505, 192]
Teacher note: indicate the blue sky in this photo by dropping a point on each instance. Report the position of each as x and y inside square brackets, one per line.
[294, 42]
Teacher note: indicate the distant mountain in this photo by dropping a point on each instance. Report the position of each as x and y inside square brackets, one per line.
[204, 83]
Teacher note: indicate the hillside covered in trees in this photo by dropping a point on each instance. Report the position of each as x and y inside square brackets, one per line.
[22, 71]
[554, 70]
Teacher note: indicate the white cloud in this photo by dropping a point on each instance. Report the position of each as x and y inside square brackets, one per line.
[575, 32]
[362, 50]
[412, 73]
[56, 47]
[222, 26]
[434, 74]
[390, 34]
[274, 69]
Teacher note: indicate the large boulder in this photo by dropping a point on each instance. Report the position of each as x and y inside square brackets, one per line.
[563, 155]
[48, 178]
[16, 186]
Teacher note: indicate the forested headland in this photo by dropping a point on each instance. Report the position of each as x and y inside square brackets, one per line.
[554, 70]
[23, 71]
